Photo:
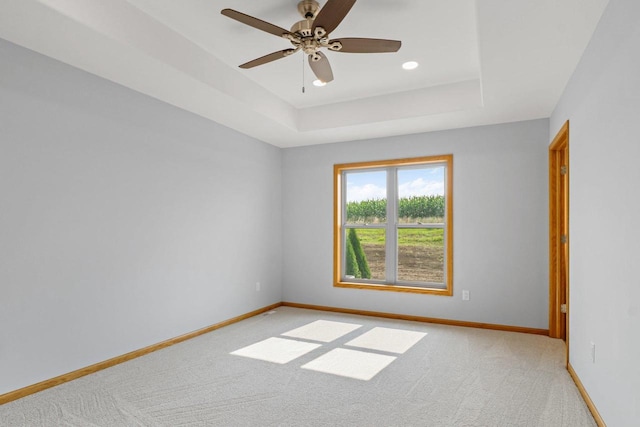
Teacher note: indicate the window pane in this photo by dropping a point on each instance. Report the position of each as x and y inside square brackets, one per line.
[366, 197]
[365, 253]
[421, 255]
[421, 195]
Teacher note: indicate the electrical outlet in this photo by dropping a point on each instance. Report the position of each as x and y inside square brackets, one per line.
[593, 352]
[257, 286]
[465, 295]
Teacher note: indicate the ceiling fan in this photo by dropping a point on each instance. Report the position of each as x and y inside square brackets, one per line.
[312, 34]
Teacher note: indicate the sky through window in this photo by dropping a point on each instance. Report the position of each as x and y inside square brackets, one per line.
[424, 181]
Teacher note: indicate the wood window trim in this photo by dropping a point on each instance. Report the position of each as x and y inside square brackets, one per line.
[337, 224]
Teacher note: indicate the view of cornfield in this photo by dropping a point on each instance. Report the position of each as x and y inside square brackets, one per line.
[420, 250]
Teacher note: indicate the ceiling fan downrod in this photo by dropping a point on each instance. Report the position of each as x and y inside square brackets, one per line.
[308, 8]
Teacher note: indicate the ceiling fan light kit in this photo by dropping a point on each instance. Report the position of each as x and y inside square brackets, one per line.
[311, 34]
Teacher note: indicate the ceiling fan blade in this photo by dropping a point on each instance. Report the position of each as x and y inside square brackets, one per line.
[267, 58]
[321, 68]
[332, 14]
[254, 22]
[358, 45]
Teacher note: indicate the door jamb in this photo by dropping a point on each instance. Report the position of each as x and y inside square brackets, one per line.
[558, 213]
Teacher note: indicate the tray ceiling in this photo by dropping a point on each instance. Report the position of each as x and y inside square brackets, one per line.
[483, 62]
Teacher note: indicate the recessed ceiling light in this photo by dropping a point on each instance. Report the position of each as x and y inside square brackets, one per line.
[319, 83]
[411, 65]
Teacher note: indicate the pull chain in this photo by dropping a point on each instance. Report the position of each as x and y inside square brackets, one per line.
[302, 73]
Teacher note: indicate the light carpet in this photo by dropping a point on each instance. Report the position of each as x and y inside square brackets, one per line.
[438, 376]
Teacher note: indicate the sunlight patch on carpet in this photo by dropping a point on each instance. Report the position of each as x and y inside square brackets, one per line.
[386, 339]
[350, 363]
[322, 330]
[276, 350]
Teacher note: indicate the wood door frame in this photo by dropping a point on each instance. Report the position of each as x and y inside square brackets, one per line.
[558, 226]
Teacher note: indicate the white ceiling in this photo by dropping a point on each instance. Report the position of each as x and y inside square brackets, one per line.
[481, 61]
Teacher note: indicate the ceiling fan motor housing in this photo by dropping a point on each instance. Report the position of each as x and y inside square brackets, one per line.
[303, 28]
[310, 39]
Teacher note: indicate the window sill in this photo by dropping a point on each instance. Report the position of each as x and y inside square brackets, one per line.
[395, 288]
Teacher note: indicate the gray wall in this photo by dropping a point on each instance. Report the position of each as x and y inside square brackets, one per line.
[123, 221]
[602, 102]
[500, 224]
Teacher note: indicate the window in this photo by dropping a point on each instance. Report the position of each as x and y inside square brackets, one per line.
[393, 225]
